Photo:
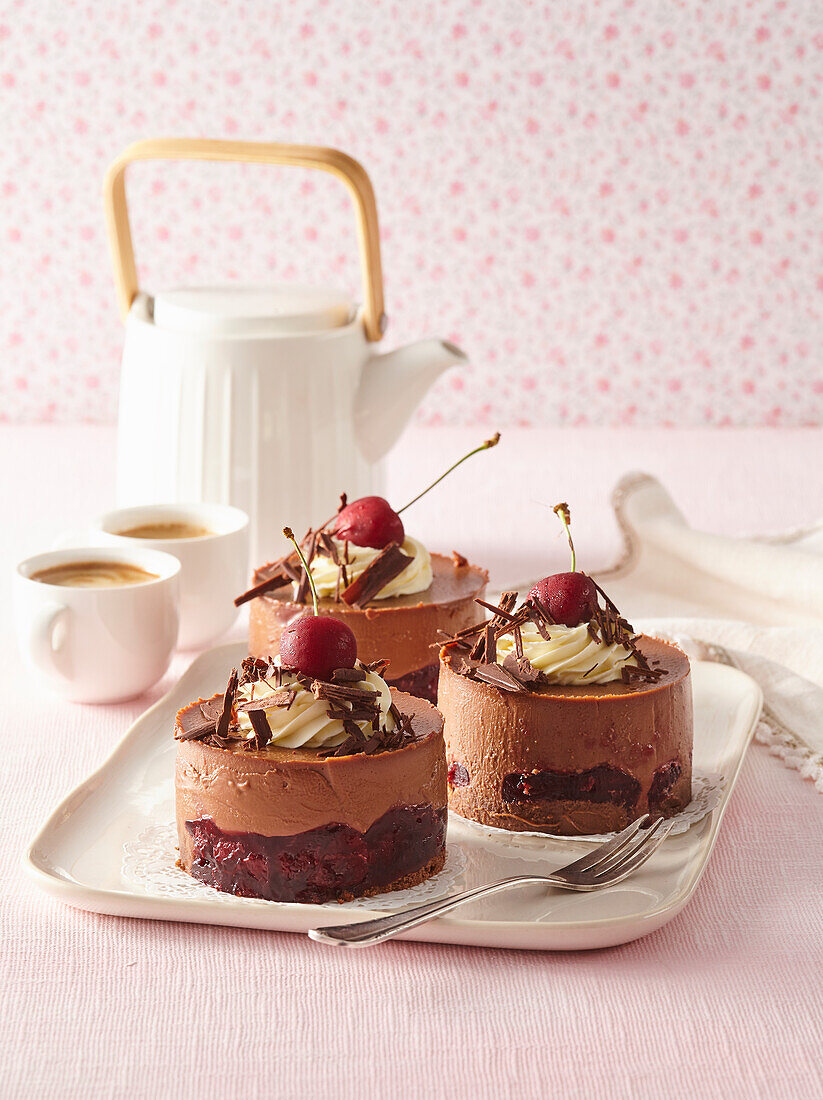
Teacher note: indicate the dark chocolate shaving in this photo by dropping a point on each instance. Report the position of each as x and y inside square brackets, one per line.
[634, 673]
[350, 704]
[261, 727]
[607, 600]
[523, 670]
[389, 563]
[342, 573]
[377, 741]
[497, 611]
[328, 547]
[608, 625]
[271, 577]
[224, 721]
[350, 747]
[497, 676]
[195, 724]
[293, 572]
[491, 643]
[348, 675]
[281, 698]
[485, 648]
[539, 615]
[254, 669]
[345, 693]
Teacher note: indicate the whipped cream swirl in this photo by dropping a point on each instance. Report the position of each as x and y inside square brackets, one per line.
[305, 723]
[416, 577]
[571, 656]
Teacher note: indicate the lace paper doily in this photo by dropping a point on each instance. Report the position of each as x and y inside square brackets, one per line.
[706, 794]
[150, 863]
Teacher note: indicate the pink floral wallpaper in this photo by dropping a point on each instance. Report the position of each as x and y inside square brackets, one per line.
[615, 207]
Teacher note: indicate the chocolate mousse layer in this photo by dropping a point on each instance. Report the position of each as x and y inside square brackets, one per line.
[293, 825]
[569, 760]
[401, 628]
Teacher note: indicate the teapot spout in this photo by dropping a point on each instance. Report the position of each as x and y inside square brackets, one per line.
[392, 386]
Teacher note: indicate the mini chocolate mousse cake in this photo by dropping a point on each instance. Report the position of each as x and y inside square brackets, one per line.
[297, 789]
[396, 597]
[400, 628]
[560, 719]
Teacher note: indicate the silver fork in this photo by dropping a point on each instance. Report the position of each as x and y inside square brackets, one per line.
[607, 864]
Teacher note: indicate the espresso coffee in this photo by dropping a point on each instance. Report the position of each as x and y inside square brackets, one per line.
[170, 530]
[94, 574]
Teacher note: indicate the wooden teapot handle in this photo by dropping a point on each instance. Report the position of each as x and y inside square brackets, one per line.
[338, 164]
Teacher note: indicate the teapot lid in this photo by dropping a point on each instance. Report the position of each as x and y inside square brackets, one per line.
[252, 310]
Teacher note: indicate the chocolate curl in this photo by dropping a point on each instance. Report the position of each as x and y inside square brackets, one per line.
[261, 727]
[276, 577]
[224, 720]
[389, 563]
[195, 724]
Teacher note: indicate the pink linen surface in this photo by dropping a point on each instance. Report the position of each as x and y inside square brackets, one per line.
[724, 1001]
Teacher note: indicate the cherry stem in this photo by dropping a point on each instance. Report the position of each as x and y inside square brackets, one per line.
[564, 515]
[495, 439]
[287, 531]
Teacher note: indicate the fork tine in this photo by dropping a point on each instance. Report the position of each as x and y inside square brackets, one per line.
[645, 853]
[638, 857]
[615, 859]
[608, 852]
[591, 859]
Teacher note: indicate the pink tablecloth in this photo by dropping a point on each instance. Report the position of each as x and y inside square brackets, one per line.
[724, 1001]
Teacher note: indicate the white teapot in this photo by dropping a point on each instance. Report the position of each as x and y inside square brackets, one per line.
[271, 399]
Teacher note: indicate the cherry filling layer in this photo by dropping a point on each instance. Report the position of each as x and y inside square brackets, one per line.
[601, 784]
[422, 682]
[331, 863]
[663, 781]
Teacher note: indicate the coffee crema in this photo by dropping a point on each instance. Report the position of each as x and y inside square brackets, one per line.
[170, 530]
[94, 574]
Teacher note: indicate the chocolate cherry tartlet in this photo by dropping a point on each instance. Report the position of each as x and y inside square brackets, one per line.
[559, 718]
[309, 779]
[293, 789]
[395, 597]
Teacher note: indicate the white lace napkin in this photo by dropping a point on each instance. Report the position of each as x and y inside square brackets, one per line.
[669, 568]
[756, 603]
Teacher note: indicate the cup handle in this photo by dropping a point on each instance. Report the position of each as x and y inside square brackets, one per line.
[40, 642]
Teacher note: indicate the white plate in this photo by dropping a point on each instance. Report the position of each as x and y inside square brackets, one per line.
[78, 853]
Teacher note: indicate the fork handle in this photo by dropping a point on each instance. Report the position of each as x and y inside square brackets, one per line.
[366, 933]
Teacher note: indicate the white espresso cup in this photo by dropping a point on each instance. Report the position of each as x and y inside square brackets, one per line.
[214, 565]
[98, 644]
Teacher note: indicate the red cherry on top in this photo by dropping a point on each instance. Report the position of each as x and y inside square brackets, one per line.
[570, 598]
[369, 521]
[316, 645]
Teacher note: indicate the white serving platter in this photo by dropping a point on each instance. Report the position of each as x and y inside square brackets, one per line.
[78, 854]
